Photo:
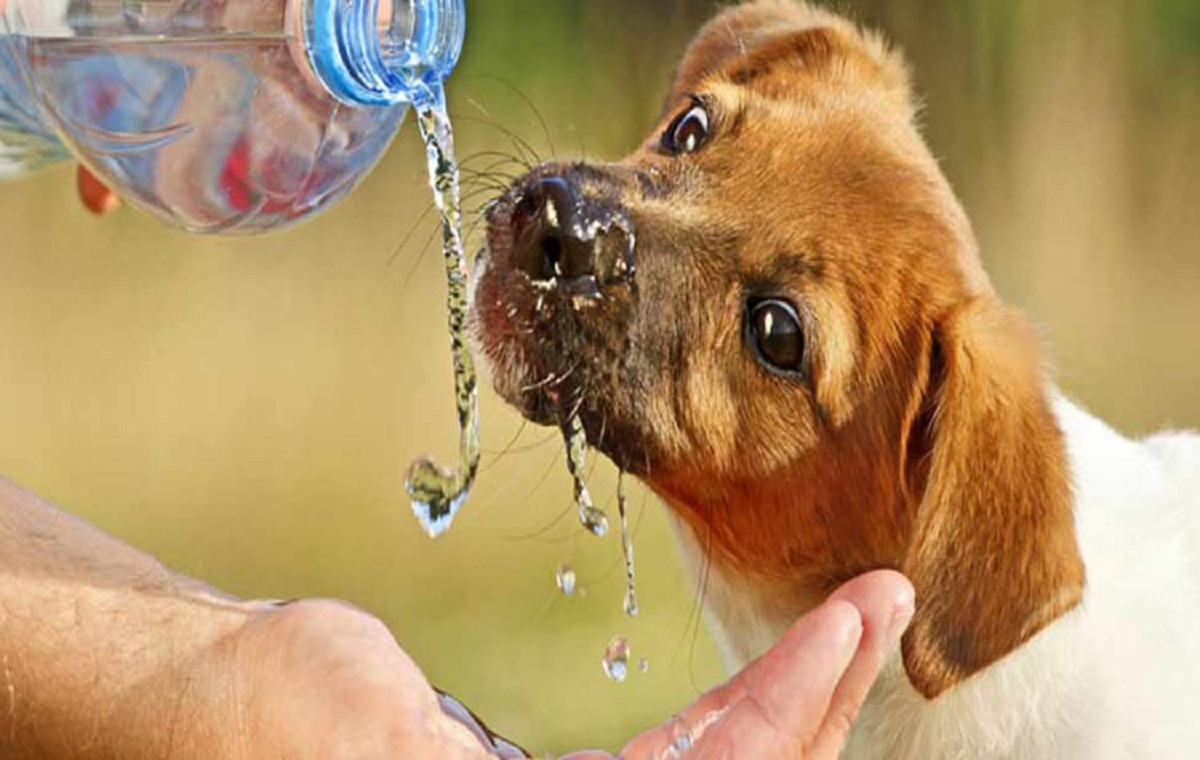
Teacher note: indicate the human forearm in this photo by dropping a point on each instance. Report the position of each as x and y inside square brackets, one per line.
[95, 639]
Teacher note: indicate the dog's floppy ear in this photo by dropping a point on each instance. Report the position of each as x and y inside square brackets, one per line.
[747, 41]
[993, 555]
[733, 32]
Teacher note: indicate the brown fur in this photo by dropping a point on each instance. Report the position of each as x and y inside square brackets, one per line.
[920, 437]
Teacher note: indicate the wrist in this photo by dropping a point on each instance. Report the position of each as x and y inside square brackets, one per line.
[115, 672]
[103, 648]
[190, 704]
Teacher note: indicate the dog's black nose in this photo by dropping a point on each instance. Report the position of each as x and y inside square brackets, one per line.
[563, 236]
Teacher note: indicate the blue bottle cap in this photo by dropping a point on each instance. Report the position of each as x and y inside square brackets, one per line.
[365, 59]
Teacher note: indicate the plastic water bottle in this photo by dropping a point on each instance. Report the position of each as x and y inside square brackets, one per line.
[217, 115]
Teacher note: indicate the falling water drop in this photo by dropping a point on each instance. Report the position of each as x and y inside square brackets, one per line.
[564, 578]
[616, 659]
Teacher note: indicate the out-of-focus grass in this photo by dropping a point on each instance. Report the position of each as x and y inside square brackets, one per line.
[245, 408]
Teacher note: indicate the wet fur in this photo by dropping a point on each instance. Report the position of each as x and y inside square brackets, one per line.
[1056, 588]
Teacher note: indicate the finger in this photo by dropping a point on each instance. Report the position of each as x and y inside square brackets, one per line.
[885, 600]
[94, 194]
[693, 719]
[786, 703]
[778, 701]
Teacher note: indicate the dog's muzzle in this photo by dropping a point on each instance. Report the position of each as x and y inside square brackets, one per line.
[569, 241]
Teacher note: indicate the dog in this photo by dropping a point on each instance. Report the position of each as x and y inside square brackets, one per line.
[774, 314]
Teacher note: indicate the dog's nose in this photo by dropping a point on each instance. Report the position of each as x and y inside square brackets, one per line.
[561, 235]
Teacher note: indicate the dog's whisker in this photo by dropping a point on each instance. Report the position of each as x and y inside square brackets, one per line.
[412, 231]
[552, 379]
[570, 509]
[532, 107]
[548, 438]
[528, 103]
[529, 156]
[691, 627]
[507, 448]
[420, 257]
[501, 156]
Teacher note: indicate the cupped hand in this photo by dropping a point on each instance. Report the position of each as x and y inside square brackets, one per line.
[800, 698]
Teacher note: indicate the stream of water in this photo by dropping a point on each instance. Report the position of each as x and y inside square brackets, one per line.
[438, 492]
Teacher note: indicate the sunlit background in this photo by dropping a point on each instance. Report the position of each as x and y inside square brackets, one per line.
[245, 408]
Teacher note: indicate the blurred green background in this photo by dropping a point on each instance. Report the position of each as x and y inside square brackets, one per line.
[246, 408]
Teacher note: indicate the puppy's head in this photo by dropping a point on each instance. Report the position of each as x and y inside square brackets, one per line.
[773, 312]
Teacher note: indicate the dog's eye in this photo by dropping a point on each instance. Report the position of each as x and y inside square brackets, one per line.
[777, 334]
[688, 133]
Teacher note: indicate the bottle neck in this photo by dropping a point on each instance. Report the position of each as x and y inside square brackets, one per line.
[380, 52]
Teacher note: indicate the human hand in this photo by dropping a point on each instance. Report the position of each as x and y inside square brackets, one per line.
[800, 698]
[320, 679]
[310, 679]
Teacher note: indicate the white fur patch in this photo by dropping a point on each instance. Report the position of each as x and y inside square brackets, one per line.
[1116, 679]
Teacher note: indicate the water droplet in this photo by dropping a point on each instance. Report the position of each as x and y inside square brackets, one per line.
[594, 520]
[644, 665]
[564, 578]
[682, 742]
[684, 736]
[616, 659]
[437, 493]
[432, 491]
[631, 604]
[591, 517]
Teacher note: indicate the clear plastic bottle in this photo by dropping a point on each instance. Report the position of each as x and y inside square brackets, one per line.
[216, 115]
